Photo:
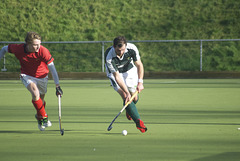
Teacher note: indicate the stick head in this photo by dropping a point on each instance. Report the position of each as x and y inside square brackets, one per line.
[109, 128]
[62, 131]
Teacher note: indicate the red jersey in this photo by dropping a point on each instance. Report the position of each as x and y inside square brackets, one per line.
[32, 64]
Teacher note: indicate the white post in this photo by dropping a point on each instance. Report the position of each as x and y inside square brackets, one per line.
[4, 65]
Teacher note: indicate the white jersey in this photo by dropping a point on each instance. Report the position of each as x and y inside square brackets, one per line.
[123, 64]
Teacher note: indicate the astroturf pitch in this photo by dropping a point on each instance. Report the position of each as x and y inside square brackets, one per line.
[187, 120]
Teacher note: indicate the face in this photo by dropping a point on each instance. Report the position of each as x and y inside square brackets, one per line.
[120, 50]
[35, 46]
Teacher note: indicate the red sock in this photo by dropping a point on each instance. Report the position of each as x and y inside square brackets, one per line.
[44, 104]
[39, 106]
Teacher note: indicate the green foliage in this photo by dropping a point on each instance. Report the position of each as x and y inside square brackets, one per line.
[223, 56]
[98, 20]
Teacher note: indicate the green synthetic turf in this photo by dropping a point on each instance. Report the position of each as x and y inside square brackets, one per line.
[187, 120]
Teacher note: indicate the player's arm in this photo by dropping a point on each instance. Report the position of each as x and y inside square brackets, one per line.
[54, 73]
[140, 70]
[122, 85]
[3, 51]
[113, 69]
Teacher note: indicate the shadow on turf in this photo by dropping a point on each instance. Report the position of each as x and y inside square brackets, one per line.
[227, 156]
[18, 132]
[57, 131]
[30, 131]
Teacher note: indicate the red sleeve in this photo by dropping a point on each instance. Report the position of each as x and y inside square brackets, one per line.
[16, 48]
[46, 56]
[12, 48]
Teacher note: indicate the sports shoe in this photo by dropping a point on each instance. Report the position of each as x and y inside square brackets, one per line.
[140, 126]
[128, 116]
[43, 123]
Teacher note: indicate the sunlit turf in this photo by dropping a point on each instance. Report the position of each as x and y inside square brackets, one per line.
[187, 120]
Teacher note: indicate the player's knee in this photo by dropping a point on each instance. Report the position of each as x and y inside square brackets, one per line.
[34, 91]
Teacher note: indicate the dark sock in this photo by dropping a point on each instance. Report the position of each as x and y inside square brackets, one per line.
[132, 111]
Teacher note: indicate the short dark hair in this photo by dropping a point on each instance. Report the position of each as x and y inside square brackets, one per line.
[31, 36]
[119, 41]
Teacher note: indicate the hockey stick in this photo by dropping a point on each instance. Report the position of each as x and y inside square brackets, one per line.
[60, 114]
[110, 126]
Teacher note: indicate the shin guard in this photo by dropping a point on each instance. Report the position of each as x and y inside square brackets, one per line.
[133, 112]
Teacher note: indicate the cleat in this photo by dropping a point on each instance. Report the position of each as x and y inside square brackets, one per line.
[40, 125]
[128, 116]
[140, 125]
[43, 123]
[46, 122]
